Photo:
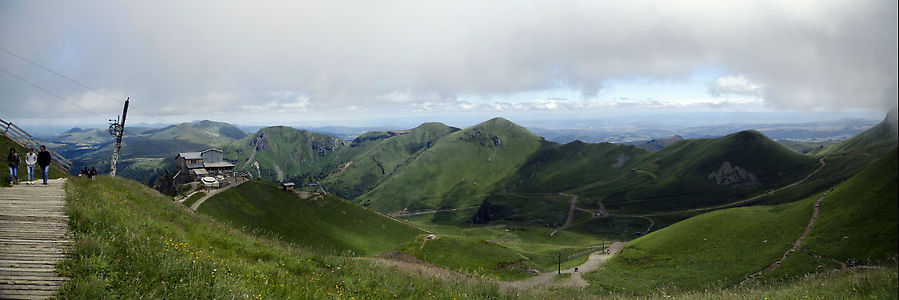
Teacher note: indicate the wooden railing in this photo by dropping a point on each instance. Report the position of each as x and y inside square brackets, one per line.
[21, 137]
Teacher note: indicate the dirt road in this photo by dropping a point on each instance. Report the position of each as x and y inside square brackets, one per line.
[593, 261]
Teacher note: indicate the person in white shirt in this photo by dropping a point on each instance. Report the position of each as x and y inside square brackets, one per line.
[30, 160]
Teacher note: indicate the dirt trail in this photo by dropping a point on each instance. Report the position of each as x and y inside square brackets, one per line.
[571, 209]
[238, 181]
[796, 244]
[593, 261]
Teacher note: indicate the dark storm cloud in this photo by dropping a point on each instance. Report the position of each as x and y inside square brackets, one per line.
[185, 55]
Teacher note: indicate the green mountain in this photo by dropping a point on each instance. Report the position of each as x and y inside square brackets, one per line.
[459, 169]
[379, 154]
[145, 152]
[688, 173]
[201, 132]
[325, 223]
[286, 154]
[722, 248]
[878, 139]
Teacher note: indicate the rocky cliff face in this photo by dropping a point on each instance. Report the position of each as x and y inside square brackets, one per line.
[733, 176]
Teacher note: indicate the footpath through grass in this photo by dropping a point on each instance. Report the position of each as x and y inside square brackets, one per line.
[132, 242]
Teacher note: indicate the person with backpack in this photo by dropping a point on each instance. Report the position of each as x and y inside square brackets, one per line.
[13, 160]
[30, 160]
[44, 159]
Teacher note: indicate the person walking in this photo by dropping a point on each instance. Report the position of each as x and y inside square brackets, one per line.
[44, 159]
[30, 160]
[13, 160]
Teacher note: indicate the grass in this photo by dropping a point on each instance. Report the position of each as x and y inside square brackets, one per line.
[699, 252]
[474, 256]
[326, 223]
[459, 170]
[858, 219]
[193, 199]
[132, 242]
[380, 156]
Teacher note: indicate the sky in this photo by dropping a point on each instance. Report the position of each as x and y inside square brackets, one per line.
[369, 62]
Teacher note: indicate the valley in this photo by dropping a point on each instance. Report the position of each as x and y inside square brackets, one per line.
[499, 211]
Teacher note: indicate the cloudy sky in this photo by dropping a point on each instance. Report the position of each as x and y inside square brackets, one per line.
[345, 61]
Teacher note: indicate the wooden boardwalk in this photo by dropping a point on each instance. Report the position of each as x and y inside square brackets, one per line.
[32, 239]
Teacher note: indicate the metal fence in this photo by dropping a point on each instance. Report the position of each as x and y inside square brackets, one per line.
[21, 137]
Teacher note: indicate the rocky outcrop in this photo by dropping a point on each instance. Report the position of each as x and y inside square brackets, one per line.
[733, 176]
[164, 183]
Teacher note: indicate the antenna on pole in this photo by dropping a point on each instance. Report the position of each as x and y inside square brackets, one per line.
[117, 129]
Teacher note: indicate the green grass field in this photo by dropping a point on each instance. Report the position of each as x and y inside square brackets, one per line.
[132, 242]
[331, 224]
[474, 256]
[858, 219]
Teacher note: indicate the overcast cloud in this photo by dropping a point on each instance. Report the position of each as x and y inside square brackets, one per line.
[334, 57]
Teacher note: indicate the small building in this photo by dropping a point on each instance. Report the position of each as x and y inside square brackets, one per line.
[288, 186]
[203, 163]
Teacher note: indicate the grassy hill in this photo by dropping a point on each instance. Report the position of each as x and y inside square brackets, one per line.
[458, 170]
[721, 248]
[328, 224]
[286, 154]
[379, 155]
[878, 139]
[201, 132]
[469, 255]
[858, 220]
[132, 242]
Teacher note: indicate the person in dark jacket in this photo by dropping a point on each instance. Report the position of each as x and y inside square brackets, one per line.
[44, 159]
[13, 160]
[92, 173]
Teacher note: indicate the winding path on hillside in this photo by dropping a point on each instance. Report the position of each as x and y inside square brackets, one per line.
[570, 217]
[796, 244]
[237, 181]
[595, 260]
[33, 239]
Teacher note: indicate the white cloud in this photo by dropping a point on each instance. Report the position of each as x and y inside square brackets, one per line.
[735, 85]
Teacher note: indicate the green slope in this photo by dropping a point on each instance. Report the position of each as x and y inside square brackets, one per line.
[574, 165]
[132, 242]
[469, 255]
[328, 224]
[379, 155]
[458, 170]
[300, 155]
[201, 132]
[680, 176]
[712, 250]
[878, 139]
[722, 248]
[858, 220]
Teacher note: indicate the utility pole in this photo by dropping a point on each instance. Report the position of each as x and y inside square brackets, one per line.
[560, 262]
[117, 129]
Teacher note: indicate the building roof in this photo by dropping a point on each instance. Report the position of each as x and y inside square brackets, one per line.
[200, 171]
[191, 155]
[288, 184]
[222, 164]
[210, 149]
[194, 166]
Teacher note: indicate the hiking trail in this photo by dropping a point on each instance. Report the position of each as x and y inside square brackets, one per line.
[33, 238]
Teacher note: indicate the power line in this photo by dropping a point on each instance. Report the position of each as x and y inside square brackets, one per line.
[49, 92]
[76, 105]
[116, 100]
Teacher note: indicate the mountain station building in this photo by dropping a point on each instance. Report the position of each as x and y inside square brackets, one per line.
[204, 163]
